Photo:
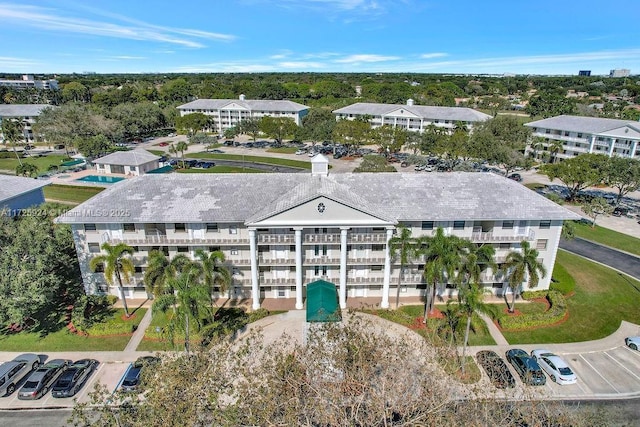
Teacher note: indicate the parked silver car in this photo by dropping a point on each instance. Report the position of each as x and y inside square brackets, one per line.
[40, 381]
[11, 373]
[633, 342]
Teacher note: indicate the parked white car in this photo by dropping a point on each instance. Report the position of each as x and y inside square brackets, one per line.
[555, 367]
[632, 342]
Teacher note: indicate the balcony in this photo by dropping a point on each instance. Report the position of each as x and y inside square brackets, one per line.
[488, 236]
[322, 238]
[276, 261]
[265, 238]
[270, 281]
[367, 238]
[163, 240]
[364, 280]
[321, 260]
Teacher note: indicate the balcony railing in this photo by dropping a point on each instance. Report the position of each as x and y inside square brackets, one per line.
[480, 236]
[164, 240]
[276, 261]
[276, 238]
[367, 238]
[364, 280]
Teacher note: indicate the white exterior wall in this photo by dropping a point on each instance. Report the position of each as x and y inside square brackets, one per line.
[230, 116]
[613, 143]
[129, 170]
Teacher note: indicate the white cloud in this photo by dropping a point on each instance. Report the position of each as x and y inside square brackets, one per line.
[51, 20]
[14, 63]
[365, 58]
[433, 55]
[128, 57]
[300, 65]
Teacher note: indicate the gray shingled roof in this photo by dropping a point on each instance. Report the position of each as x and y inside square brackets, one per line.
[22, 110]
[13, 186]
[250, 104]
[241, 197]
[424, 111]
[135, 157]
[582, 124]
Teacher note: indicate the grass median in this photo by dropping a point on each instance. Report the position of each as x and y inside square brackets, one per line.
[70, 193]
[252, 159]
[608, 237]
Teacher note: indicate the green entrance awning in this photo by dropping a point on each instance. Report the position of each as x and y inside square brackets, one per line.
[322, 302]
[71, 163]
[163, 169]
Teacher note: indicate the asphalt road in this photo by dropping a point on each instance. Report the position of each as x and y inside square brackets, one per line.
[619, 260]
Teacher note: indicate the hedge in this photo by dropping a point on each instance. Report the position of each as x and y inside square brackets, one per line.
[556, 312]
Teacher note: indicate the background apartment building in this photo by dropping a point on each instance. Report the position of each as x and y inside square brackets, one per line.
[581, 135]
[26, 113]
[280, 232]
[28, 82]
[227, 113]
[412, 117]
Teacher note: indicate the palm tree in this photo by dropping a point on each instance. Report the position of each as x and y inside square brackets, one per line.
[27, 169]
[554, 148]
[160, 270]
[521, 266]
[442, 257]
[471, 300]
[117, 264]
[181, 147]
[215, 273]
[13, 132]
[536, 145]
[190, 302]
[404, 247]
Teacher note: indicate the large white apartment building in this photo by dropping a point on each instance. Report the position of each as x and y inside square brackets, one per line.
[412, 117]
[27, 113]
[227, 113]
[589, 135]
[280, 232]
[28, 82]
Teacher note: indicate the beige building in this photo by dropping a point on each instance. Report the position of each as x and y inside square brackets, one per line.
[280, 232]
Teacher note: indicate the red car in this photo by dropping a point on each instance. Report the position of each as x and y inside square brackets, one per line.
[163, 144]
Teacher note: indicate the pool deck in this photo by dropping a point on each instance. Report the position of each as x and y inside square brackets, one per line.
[71, 178]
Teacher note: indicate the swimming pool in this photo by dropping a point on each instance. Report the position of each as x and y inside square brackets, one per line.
[100, 179]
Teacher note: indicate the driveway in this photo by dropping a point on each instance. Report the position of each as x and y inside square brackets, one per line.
[621, 261]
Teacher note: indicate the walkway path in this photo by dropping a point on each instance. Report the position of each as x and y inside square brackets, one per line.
[138, 335]
[494, 331]
[621, 261]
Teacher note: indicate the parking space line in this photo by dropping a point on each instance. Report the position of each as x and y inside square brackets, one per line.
[91, 380]
[599, 374]
[622, 366]
[636, 352]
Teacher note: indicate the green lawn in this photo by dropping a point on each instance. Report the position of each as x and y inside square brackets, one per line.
[602, 299]
[63, 340]
[283, 150]
[157, 152]
[42, 163]
[222, 169]
[608, 237]
[70, 193]
[255, 159]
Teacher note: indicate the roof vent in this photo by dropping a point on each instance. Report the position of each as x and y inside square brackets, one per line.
[242, 97]
[409, 101]
[320, 165]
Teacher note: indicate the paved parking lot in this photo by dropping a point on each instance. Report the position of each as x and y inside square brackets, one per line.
[109, 374]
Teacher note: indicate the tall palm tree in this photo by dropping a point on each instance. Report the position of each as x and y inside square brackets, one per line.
[520, 267]
[471, 300]
[215, 273]
[181, 147]
[117, 265]
[536, 145]
[442, 257]
[160, 270]
[12, 130]
[404, 247]
[554, 148]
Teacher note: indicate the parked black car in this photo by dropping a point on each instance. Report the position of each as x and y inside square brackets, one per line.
[72, 380]
[526, 366]
[132, 377]
[497, 371]
[516, 177]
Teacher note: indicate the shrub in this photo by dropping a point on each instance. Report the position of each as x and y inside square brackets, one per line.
[555, 198]
[557, 311]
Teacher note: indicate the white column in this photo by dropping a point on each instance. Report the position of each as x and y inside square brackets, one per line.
[343, 267]
[387, 271]
[255, 286]
[634, 147]
[613, 145]
[299, 304]
[592, 143]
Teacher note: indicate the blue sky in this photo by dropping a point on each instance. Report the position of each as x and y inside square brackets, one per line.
[433, 36]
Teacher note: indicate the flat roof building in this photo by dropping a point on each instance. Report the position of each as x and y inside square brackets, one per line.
[135, 162]
[280, 232]
[28, 82]
[27, 113]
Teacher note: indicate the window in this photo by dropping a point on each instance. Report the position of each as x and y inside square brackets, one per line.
[505, 246]
[138, 269]
[579, 135]
[376, 268]
[545, 225]
[282, 293]
[180, 227]
[94, 248]
[566, 133]
[378, 229]
[233, 229]
[212, 227]
[213, 248]
[129, 227]
[427, 225]
[183, 249]
[99, 268]
[458, 225]
[89, 227]
[541, 244]
[233, 251]
[377, 247]
[507, 225]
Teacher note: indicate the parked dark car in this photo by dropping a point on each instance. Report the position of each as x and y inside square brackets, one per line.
[497, 371]
[526, 366]
[620, 212]
[41, 380]
[516, 177]
[72, 380]
[132, 377]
